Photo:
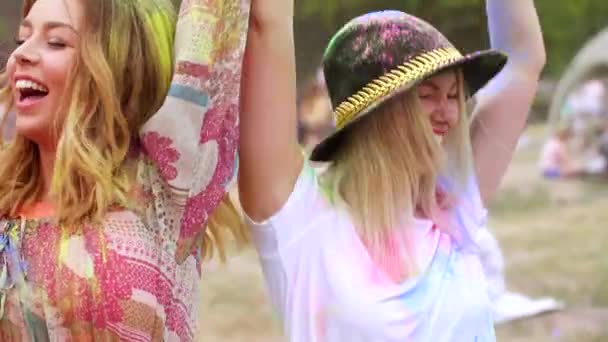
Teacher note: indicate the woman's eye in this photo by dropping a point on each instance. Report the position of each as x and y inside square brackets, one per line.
[56, 44]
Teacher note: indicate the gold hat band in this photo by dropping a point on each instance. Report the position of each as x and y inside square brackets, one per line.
[414, 70]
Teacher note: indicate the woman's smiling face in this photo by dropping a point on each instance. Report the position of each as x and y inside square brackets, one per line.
[38, 69]
[440, 99]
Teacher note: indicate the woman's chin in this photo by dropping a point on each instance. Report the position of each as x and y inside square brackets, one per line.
[33, 128]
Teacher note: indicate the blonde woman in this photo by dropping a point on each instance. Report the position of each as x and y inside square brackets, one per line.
[381, 246]
[108, 183]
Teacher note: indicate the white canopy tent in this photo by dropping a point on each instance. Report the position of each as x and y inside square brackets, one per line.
[591, 62]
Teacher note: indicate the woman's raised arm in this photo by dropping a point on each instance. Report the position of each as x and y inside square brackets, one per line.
[503, 105]
[193, 138]
[270, 157]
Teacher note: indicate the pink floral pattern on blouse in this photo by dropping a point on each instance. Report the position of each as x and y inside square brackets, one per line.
[160, 149]
[137, 278]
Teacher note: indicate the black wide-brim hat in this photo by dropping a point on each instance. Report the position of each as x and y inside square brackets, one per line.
[379, 55]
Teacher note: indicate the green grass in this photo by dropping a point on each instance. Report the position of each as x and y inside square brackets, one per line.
[554, 236]
[511, 202]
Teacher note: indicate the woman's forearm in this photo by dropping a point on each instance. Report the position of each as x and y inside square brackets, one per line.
[515, 29]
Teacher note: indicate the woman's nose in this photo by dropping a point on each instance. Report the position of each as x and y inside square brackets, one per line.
[26, 54]
[446, 111]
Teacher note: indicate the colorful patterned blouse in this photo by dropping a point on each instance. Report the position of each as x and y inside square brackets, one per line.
[138, 277]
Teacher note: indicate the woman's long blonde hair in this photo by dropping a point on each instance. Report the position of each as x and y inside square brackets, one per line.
[120, 79]
[390, 169]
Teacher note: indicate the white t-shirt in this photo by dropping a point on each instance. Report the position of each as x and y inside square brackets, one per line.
[326, 288]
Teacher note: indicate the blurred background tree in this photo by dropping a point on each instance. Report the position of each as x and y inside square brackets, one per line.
[9, 15]
[567, 24]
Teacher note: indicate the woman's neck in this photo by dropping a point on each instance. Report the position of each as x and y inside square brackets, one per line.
[47, 163]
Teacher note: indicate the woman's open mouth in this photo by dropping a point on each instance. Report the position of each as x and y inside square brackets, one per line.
[29, 92]
[439, 131]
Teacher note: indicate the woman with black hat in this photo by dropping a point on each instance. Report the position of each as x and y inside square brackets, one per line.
[381, 246]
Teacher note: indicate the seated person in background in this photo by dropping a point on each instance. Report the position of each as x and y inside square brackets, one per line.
[555, 160]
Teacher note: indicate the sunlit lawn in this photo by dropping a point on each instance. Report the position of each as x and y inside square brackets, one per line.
[554, 236]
